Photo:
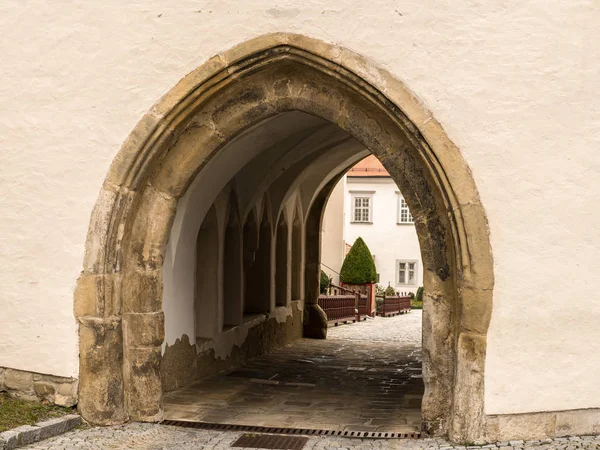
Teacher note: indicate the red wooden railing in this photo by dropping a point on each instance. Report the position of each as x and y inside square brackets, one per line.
[339, 308]
[363, 307]
[394, 305]
[343, 305]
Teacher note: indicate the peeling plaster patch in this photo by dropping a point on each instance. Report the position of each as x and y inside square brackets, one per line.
[224, 344]
[281, 313]
[183, 362]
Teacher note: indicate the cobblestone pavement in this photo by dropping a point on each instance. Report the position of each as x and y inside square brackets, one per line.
[363, 377]
[155, 437]
[405, 329]
[333, 355]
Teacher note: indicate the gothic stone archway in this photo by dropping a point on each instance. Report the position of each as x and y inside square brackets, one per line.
[119, 295]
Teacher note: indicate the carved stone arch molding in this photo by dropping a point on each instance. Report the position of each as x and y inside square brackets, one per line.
[119, 295]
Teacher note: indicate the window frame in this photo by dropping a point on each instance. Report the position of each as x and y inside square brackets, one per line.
[399, 208]
[416, 270]
[363, 195]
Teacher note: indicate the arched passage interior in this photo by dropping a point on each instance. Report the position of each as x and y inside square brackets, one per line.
[186, 156]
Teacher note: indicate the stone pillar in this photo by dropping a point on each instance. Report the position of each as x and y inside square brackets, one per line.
[315, 319]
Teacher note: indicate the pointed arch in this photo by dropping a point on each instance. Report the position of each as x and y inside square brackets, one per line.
[120, 290]
[297, 267]
[207, 279]
[232, 266]
[282, 262]
[259, 274]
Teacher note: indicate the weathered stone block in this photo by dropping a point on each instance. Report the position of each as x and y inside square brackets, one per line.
[123, 169]
[98, 295]
[101, 375]
[104, 242]
[526, 426]
[144, 329]
[182, 91]
[476, 309]
[183, 161]
[150, 231]
[145, 388]
[19, 380]
[44, 389]
[585, 421]
[142, 291]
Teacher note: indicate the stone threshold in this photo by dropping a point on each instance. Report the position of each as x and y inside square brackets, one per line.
[28, 434]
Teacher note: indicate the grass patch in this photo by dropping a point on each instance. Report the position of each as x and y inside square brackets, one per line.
[416, 304]
[15, 412]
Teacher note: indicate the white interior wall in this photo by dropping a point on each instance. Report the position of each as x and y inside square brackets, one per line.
[386, 239]
[513, 84]
[332, 233]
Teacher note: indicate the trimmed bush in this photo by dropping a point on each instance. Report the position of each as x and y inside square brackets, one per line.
[358, 267]
[419, 296]
[389, 291]
[324, 282]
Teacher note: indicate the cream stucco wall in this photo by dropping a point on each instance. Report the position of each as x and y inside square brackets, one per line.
[332, 233]
[513, 84]
[387, 240]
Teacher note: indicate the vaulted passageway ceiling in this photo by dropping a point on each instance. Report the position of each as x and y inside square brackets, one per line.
[269, 158]
[289, 153]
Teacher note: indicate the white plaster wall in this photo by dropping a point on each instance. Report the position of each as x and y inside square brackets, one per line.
[332, 233]
[513, 83]
[386, 239]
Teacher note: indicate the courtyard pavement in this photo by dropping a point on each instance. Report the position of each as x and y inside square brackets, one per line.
[363, 377]
[145, 436]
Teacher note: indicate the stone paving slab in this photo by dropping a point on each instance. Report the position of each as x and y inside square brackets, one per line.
[363, 377]
[156, 437]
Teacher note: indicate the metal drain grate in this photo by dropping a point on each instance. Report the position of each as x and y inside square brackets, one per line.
[297, 431]
[271, 441]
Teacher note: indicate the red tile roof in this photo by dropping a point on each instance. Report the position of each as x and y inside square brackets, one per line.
[368, 167]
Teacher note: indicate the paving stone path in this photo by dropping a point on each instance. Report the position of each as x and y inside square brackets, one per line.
[345, 358]
[155, 437]
[363, 377]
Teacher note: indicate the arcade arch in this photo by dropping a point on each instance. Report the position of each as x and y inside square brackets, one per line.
[310, 110]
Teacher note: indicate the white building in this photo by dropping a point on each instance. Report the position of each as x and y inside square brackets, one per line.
[375, 210]
[115, 114]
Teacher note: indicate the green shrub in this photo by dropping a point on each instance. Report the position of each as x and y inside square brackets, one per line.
[379, 290]
[389, 291]
[414, 304]
[358, 267]
[411, 295]
[419, 296]
[324, 282]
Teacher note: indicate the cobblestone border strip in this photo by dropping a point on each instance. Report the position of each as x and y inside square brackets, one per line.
[28, 434]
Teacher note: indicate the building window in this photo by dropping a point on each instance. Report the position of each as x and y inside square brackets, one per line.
[362, 208]
[406, 272]
[404, 215]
